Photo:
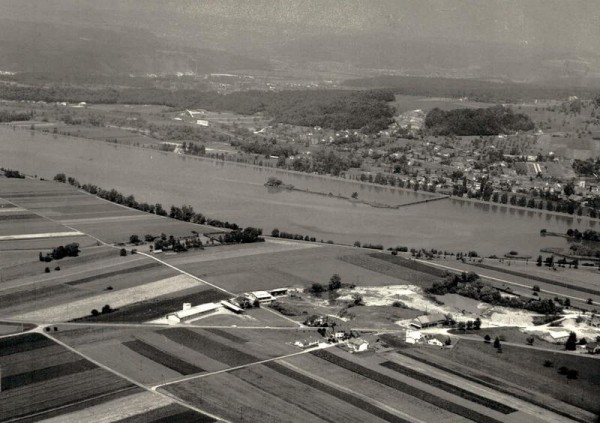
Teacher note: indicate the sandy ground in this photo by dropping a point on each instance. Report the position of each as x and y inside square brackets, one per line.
[491, 316]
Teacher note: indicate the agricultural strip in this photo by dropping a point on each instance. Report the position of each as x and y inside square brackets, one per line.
[404, 387]
[47, 373]
[212, 349]
[113, 409]
[22, 343]
[227, 335]
[116, 299]
[496, 385]
[539, 279]
[157, 307]
[162, 358]
[173, 413]
[349, 398]
[114, 273]
[399, 270]
[42, 235]
[64, 413]
[410, 264]
[58, 392]
[470, 396]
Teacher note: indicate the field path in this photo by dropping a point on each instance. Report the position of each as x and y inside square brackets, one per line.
[203, 375]
[108, 369]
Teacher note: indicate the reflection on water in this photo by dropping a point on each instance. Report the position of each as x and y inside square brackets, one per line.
[236, 192]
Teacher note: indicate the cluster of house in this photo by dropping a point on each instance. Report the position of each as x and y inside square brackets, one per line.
[561, 336]
[236, 305]
[332, 330]
[416, 337]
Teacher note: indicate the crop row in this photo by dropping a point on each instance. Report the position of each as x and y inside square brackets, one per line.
[173, 413]
[448, 387]
[349, 398]
[58, 392]
[22, 343]
[395, 270]
[105, 275]
[162, 358]
[496, 385]
[208, 347]
[46, 373]
[406, 388]
[227, 335]
[540, 279]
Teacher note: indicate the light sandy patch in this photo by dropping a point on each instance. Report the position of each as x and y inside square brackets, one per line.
[501, 316]
[39, 236]
[115, 410]
[410, 295]
[116, 299]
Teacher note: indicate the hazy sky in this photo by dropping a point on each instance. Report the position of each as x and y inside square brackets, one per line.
[570, 24]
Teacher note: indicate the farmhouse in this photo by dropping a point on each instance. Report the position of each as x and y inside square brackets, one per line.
[188, 312]
[358, 345]
[412, 336]
[557, 336]
[307, 343]
[263, 297]
[428, 321]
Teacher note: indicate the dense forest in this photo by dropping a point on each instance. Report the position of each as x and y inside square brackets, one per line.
[463, 122]
[474, 89]
[335, 109]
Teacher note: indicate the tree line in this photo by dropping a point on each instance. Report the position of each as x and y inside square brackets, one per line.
[185, 213]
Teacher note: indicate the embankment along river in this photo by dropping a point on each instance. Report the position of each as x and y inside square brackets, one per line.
[236, 192]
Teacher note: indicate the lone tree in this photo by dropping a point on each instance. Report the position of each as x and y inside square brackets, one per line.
[497, 343]
[123, 252]
[571, 344]
[95, 313]
[335, 282]
[134, 239]
[487, 339]
[477, 324]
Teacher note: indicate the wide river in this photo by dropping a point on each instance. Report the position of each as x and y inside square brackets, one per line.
[235, 192]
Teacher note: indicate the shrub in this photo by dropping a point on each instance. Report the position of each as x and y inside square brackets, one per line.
[123, 252]
[57, 268]
[47, 270]
[95, 313]
[106, 309]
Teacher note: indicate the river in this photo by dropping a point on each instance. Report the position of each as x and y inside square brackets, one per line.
[235, 192]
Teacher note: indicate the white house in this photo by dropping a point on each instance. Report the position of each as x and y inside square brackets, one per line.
[358, 345]
[263, 297]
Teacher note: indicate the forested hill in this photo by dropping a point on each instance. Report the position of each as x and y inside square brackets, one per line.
[335, 109]
[463, 122]
[474, 89]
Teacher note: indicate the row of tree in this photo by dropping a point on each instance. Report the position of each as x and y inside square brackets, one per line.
[185, 212]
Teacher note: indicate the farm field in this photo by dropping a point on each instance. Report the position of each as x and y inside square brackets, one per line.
[82, 307]
[525, 368]
[39, 375]
[156, 355]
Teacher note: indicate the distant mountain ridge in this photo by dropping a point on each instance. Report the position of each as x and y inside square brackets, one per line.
[69, 49]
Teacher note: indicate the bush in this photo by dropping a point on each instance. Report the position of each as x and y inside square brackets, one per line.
[57, 268]
[106, 309]
[47, 270]
[123, 252]
[95, 313]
